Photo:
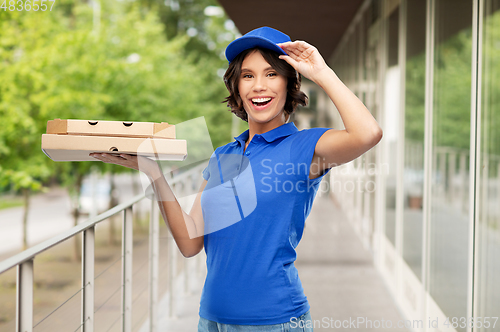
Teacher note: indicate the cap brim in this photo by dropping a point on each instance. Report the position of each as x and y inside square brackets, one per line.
[244, 43]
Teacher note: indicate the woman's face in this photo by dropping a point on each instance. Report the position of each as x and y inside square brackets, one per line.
[262, 90]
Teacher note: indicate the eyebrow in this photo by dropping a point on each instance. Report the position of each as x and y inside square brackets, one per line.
[249, 70]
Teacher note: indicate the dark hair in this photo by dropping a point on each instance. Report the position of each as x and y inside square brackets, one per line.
[294, 96]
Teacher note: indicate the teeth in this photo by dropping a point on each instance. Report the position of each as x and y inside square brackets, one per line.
[260, 100]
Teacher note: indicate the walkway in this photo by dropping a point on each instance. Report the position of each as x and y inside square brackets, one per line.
[337, 273]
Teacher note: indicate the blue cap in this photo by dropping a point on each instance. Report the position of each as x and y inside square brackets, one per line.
[264, 37]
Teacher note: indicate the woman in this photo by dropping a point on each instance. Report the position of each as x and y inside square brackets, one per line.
[258, 190]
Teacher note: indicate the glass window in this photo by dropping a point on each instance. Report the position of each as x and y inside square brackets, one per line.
[391, 123]
[413, 173]
[449, 201]
[488, 195]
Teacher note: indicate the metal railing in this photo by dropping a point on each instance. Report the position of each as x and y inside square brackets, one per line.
[25, 267]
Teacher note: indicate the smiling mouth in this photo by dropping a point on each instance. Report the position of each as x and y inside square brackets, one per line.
[261, 101]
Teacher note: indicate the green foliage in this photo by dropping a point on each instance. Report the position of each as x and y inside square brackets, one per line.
[452, 90]
[206, 39]
[67, 64]
[490, 112]
[415, 98]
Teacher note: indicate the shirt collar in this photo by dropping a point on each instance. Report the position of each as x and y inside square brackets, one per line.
[284, 130]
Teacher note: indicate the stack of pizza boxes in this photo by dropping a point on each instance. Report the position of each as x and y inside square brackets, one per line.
[74, 140]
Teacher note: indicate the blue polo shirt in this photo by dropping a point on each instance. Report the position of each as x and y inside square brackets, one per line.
[254, 208]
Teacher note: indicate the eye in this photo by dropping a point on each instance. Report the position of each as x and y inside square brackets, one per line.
[247, 76]
[272, 74]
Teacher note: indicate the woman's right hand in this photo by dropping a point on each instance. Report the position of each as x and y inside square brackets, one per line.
[139, 163]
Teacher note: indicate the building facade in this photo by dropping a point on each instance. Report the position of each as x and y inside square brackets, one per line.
[426, 200]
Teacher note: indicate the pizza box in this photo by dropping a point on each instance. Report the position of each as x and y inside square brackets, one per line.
[78, 147]
[111, 128]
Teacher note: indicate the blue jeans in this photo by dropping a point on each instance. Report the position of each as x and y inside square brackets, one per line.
[303, 323]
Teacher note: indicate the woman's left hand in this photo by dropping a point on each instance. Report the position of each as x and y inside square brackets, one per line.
[304, 58]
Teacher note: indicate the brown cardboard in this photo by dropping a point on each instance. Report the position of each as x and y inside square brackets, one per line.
[78, 147]
[111, 128]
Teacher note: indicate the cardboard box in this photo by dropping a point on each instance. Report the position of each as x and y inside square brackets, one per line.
[74, 140]
[78, 148]
[111, 128]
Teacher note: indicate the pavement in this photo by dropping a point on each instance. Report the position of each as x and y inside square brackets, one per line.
[342, 284]
[49, 214]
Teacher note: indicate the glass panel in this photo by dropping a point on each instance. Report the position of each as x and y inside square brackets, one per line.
[8, 298]
[488, 231]
[366, 45]
[356, 38]
[108, 273]
[413, 173]
[449, 225]
[57, 288]
[369, 68]
[391, 122]
[140, 273]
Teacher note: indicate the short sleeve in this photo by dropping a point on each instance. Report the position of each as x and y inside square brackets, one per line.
[206, 173]
[302, 150]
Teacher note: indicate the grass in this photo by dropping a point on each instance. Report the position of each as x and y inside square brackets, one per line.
[10, 201]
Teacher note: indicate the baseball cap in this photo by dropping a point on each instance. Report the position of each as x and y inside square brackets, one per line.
[264, 37]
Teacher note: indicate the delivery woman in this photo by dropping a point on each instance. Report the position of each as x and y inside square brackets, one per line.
[257, 191]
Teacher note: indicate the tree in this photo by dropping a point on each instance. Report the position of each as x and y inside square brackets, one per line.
[63, 66]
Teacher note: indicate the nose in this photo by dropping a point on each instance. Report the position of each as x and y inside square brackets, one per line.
[259, 83]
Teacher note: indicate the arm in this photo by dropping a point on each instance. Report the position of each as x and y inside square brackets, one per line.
[361, 132]
[187, 229]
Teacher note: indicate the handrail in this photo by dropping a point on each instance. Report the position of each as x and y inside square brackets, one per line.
[25, 267]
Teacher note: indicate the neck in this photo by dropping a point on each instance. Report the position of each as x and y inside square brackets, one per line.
[255, 128]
